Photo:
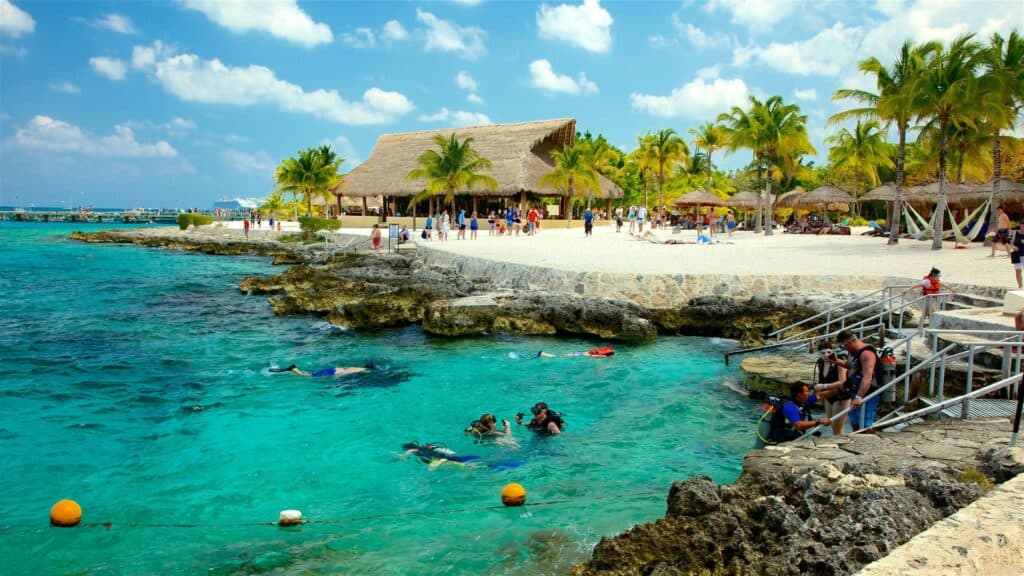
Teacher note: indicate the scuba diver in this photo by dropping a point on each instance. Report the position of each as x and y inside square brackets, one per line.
[433, 453]
[545, 422]
[487, 427]
[790, 419]
[332, 371]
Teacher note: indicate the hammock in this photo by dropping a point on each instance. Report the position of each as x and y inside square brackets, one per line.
[975, 230]
[916, 224]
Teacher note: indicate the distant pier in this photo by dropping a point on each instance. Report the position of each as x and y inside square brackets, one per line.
[93, 217]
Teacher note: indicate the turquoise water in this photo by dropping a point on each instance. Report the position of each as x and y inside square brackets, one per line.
[135, 381]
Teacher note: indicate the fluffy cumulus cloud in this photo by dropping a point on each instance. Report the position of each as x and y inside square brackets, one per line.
[193, 79]
[116, 22]
[45, 133]
[587, 25]
[466, 82]
[281, 18]
[393, 31]
[456, 118]
[247, 163]
[543, 76]
[112, 68]
[178, 126]
[361, 38]
[14, 21]
[444, 36]
[144, 57]
[703, 97]
[808, 94]
[65, 87]
[756, 15]
[829, 53]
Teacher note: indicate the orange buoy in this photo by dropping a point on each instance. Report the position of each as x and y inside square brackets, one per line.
[66, 513]
[513, 495]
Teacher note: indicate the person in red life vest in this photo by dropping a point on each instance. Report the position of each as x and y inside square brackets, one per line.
[930, 287]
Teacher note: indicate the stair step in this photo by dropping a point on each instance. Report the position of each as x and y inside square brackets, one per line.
[980, 408]
[977, 301]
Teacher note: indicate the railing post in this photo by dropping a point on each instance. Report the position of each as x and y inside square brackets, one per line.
[931, 370]
[828, 322]
[1016, 415]
[965, 408]
[942, 381]
[1007, 358]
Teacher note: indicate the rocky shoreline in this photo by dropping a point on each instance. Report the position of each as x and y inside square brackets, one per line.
[350, 286]
[827, 506]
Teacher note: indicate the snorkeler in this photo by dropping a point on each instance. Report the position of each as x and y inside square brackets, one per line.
[545, 422]
[487, 427]
[603, 352]
[333, 371]
[434, 454]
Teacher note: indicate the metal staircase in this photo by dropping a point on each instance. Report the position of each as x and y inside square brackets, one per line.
[881, 317]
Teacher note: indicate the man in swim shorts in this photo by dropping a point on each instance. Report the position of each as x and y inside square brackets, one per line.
[327, 372]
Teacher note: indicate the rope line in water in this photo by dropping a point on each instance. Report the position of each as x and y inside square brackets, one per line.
[334, 521]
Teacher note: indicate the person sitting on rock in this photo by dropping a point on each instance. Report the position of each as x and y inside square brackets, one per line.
[545, 422]
[795, 417]
[332, 371]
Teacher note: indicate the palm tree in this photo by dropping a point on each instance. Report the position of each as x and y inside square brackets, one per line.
[644, 159]
[710, 137]
[861, 151]
[455, 168]
[948, 89]
[1003, 99]
[740, 130]
[574, 173]
[895, 103]
[667, 148]
[312, 172]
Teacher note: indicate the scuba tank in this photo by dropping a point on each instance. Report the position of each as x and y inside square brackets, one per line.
[886, 373]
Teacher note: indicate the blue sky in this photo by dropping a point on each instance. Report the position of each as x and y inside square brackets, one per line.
[175, 104]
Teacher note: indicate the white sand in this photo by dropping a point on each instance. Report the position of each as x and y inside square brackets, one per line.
[750, 254]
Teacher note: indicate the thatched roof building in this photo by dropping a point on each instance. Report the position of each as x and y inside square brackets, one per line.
[519, 153]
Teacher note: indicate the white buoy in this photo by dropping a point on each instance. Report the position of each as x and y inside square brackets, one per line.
[289, 518]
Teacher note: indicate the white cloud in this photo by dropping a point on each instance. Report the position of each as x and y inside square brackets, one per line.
[808, 94]
[709, 72]
[659, 41]
[145, 56]
[467, 42]
[545, 78]
[363, 38]
[65, 87]
[393, 31]
[193, 79]
[473, 98]
[281, 18]
[247, 163]
[702, 98]
[696, 36]
[829, 53]
[112, 68]
[117, 23]
[179, 126]
[14, 21]
[343, 146]
[45, 133]
[457, 118]
[465, 81]
[587, 25]
[756, 15]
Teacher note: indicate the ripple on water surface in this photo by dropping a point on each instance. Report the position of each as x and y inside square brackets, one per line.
[138, 385]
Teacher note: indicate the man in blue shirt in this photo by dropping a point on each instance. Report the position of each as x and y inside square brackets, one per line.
[796, 413]
[588, 222]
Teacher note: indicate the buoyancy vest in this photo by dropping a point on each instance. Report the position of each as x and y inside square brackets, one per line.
[855, 371]
[827, 372]
[782, 430]
[933, 286]
[542, 426]
[603, 351]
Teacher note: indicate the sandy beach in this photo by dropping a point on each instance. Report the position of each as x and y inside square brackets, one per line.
[748, 254]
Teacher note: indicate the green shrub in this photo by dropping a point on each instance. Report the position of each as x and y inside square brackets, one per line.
[310, 225]
[185, 219]
[858, 221]
[290, 238]
[976, 476]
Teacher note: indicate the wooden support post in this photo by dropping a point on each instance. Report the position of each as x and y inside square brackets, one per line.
[364, 206]
[522, 201]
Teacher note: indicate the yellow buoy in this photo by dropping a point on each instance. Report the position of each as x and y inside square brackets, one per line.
[513, 495]
[66, 513]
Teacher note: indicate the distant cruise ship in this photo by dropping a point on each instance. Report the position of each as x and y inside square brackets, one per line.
[237, 204]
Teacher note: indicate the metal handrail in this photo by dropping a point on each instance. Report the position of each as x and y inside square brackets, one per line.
[995, 386]
[884, 309]
[794, 343]
[839, 307]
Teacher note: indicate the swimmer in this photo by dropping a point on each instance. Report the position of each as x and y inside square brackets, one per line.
[603, 352]
[333, 371]
[434, 454]
[487, 427]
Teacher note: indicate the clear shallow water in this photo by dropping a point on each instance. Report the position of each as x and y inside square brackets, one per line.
[135, 381]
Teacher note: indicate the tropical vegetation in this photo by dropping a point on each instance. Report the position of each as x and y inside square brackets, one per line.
[455, 167]
[311, 173]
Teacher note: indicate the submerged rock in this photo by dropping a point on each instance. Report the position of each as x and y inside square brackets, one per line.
[827, 506]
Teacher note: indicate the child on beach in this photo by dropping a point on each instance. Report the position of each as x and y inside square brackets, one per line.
[375, 238]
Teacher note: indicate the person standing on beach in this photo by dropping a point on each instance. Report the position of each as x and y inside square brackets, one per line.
[730, 223]
[491, 226]
[460, 220]
[1018, 250]
[1002, 237]
[641, 215]
[473, 227]
[245, 228]
[531, 220]
[375, 238]
[631, 216]
[588, 223]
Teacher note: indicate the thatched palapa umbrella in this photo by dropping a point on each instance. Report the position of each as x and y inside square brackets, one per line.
[743, 200]
[698, 198]
[825, 196]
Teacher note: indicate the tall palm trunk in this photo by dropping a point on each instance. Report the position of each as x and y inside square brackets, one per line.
[940, 205]
[997, 172]
[897, 205]
[768, 203]
[661, 189]
[644, 178]
[757, 217]
[961, 149]
[856, 205]
[709, 170]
